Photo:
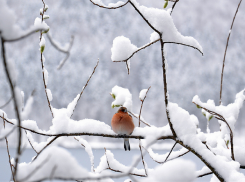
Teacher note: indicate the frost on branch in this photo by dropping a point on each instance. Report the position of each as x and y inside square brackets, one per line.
[122, 97]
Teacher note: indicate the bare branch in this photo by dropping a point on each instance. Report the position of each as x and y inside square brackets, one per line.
[10, 159]
[116, 170]
[175, 2]
[140, 119]
[12, 87]
[220, 117]
[30, 143]
[6, 103]
[85, 86]
[108, 7]
[170, 152]
[204, 174]
[142, 102]
[142, 157]
[66, 51]
[227, 43]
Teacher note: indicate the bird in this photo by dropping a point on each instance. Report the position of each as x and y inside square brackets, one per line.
[122, 124]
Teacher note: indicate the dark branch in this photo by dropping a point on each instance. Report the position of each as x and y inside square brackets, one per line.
[227, 43]
[109, 7]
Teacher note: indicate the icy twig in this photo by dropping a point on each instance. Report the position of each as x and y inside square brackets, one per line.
[12, 87]
[10, 160]
[227, 42]
[6, 103]
[221, 118]
[116, 170]
[66, 51]
[85, 86]
[108, 7]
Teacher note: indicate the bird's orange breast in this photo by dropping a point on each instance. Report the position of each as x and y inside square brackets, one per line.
[122, 123]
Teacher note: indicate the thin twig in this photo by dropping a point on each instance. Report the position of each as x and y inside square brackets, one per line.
[12, 87]
[9, 159]
[175, 2]
[115, 170]
[108, 7]
[142, 157]
[42, 64]
[140, 119]
[38, 153]
[199, 176]
[142, 102]
[66, 51]
[227, 42]
[221, 118]
[170, 152]
[6, 103]
[85, 85]
[30, 143]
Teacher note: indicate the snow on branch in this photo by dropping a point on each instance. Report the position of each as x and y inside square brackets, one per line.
[99, 3]
[162, 23]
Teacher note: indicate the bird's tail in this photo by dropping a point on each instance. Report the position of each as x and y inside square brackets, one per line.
[126, 144]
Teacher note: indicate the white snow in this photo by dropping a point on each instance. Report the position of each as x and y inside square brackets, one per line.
[142, 94]
[49, 94]
[89, 151]
[176, 170]
[122, 97]
[110, 5]
[122, 48]
[45, 72]
[161, 20]
[53, 162]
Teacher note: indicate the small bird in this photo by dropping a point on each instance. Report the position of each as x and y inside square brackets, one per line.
[122, 124]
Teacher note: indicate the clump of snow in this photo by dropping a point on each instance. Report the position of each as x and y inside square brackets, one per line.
[49, 94]
[65, 165]
[204, 170]
[42, 44]
[114, 164]
[122, 97]
[183, 123]
[154, 36]
[45, 72]
[161, 20]
[89, 151]
[71, 106]
[142, 94]
[176, 170]
[122, 48]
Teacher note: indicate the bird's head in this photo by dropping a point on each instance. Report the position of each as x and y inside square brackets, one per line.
[122, 109]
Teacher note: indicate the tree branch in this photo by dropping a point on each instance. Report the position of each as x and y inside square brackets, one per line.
[227, 43]
[109, 7]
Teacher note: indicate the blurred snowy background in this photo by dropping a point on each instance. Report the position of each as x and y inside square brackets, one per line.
[189, 73]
